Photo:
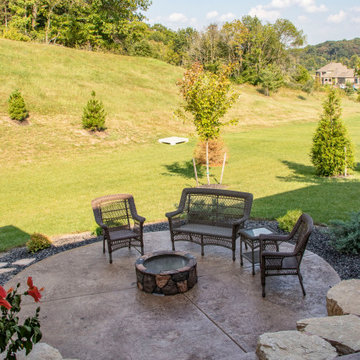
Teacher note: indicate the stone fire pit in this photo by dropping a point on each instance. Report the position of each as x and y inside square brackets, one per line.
[166, 272]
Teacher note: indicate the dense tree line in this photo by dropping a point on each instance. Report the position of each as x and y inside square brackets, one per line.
[345, 51]
[267, 54]
[74, 23]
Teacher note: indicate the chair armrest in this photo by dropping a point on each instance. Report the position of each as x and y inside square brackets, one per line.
[173, 213]
[270, 240]
[102, 225]
[240, 221]
[138, 218]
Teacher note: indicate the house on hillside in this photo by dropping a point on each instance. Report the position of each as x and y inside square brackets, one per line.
[337, 74]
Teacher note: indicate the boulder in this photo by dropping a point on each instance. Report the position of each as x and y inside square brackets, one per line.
[342, 332]
[40, 351]
[344, 298]
[294, 345]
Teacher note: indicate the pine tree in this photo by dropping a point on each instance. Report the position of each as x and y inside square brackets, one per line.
[271, 79]
[94, 114]
[17, 108]
[332, 150]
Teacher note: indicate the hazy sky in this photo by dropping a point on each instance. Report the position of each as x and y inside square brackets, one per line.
[320, 20]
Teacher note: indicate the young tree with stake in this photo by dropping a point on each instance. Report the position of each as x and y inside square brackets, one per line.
[207, 97]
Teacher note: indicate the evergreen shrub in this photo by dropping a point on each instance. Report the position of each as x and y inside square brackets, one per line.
[97, 230]
[271, 79]
[17, 108]
[349, 89]
[345, 235]
[332, 150]
[94, 114]
[38, 242]
[288, 221]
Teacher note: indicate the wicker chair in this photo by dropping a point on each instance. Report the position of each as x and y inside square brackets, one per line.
[274, 262]
[115, 214]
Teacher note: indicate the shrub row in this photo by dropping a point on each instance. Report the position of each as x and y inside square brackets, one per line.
[93, 114]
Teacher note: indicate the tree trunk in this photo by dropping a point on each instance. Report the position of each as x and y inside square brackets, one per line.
[222, 170]
[48, 24]
[34, 15]
[207, 162]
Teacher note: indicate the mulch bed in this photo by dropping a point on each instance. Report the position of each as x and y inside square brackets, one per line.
[347, 266]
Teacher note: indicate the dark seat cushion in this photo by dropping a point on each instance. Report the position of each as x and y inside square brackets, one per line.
[122, 234]
[205, 230]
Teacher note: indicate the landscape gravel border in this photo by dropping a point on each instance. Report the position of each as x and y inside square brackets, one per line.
[347, 266]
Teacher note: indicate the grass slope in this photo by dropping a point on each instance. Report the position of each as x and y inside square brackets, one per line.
[51, 168]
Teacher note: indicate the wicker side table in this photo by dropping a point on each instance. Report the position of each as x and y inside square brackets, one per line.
[250, 237]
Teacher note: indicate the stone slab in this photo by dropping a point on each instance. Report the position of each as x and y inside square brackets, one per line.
[6, 270]
[350, 357]
[344, 298]
[293, 345]
[23, 262]
[40, 351]
[342, 332]
[2, 264]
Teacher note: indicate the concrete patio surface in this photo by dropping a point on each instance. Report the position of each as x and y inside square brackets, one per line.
[93, 310]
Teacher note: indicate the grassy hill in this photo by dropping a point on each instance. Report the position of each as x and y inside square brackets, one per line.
[52, 168]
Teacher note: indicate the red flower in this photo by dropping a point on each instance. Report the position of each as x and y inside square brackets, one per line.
[2, 292]
[3, 302]
[33, 290]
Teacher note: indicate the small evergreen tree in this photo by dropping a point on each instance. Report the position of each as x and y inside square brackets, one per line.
[308, 86]
[271, 79]
[332, 150]
[17, 108]
[94, 114]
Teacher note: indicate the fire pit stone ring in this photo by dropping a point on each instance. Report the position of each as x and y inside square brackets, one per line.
[166, 272]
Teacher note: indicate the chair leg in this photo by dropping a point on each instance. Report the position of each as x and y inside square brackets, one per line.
[172, 241]
[253, 260]
[202, 245]
[263, 281]
[110, 256]
[241, 252]
[301, 283]
[234, 249]
[129, 244]
[103, 243]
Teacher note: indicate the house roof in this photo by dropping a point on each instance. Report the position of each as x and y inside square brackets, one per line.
[337, 70]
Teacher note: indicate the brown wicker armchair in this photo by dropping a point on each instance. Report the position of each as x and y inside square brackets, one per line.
[115, 214]
[274, 262]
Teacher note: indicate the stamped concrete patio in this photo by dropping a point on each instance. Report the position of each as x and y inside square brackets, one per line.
[93, 310]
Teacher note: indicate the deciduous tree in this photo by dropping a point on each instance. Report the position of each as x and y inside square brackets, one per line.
[207, 97]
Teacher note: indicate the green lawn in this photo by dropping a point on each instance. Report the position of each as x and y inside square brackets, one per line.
[51, 169]
[53, 197]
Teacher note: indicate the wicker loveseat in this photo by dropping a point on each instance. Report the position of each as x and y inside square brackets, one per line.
[209, 217]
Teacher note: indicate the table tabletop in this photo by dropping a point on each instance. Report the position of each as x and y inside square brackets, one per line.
[253, 234]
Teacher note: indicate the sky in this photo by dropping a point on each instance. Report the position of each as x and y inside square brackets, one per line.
[321, 20]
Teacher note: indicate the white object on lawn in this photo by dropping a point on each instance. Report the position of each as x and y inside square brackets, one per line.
[173, 140]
